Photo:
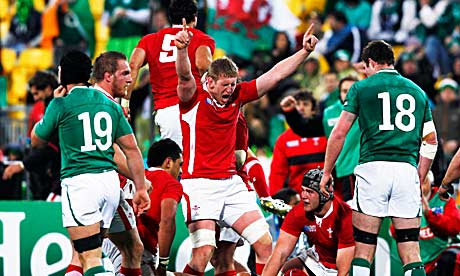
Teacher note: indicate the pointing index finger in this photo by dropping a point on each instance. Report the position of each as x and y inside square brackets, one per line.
[308, 32]
[184, 24]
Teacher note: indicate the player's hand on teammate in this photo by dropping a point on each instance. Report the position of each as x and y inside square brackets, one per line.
[322, 185]
[309, 39]
[61, 91]
[182, 38]
[287, 104]
[141, 202]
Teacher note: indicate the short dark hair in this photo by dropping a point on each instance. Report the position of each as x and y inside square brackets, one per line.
[379, 51]
[107, 63]
[179, 9]
[347, 78]
[161, 150]
[75, 68]
[43, 79]
[339, 16]
[307, 96]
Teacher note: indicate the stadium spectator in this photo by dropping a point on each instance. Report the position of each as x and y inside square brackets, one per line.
[342, 64]
[393, 20]
[396, 124]
[11, 184]
[25, 27]
[446, 115]
[327, 223]
[342, 35]
[91, 173]
[330, 92]
[159, 52]
[308, 76]
[357, 12]
[127, 20]
[293, 154]
[208, 119]
[348, 158]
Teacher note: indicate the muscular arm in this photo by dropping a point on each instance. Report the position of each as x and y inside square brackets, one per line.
[203, 59]
[36, 141]
[344, 258]
[334, 146]
[134, 160]
[136, 61]
[186, 83]
[120, 159]
[453, 171]
[424, 163]
[284, 246]
[312, 127]
[167, 226]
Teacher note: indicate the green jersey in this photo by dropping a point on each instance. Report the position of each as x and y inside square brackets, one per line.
[391, 112]
[349, 156]
[88, 123]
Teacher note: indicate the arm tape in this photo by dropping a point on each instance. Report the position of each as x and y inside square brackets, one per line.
[428, 127]
[428, 150]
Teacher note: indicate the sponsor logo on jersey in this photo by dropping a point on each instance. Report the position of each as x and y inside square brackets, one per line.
[309, 228]
[293, 143]
[208, 101]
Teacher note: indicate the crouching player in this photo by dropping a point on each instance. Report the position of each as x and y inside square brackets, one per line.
[326, 222]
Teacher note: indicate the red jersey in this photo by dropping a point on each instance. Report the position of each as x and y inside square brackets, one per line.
[293, 156]
[330, 233]
[164, 186]
[209, 132]
[161, 56]
[35, 115]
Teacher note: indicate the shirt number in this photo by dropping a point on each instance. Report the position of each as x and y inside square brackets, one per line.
[402, 112]
[100, 133]
[169, 50]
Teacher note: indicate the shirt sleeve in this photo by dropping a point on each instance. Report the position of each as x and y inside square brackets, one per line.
[446, 223]
[351, 100]
[208, 41]
[428, 115]
[45, 128]
[248, 91]
[279, 167]
[173, 189]
[292, 222]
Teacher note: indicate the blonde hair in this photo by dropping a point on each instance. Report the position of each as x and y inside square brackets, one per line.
[222, 67]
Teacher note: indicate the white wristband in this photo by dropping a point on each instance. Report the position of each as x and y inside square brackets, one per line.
[124, 103]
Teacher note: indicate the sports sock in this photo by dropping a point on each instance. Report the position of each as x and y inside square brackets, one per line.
[192, 271]
[414, 269]
[257, 176]
[74, 270]
[130, 271]
[360, 267]
[227, 273]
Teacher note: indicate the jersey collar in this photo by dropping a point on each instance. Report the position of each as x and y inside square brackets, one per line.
[105, 92]
[320, 220]
[388, 70]
[77, 86]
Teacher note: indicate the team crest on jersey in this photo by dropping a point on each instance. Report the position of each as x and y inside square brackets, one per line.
[208, 101]
[195, 209]
[309, 228]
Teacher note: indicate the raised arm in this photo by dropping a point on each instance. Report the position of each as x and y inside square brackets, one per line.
[287, 66]
[284, 246]
[136, 61]
[186, 85]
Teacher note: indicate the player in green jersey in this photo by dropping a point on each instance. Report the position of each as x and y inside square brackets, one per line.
[398, 143]
[89, 123]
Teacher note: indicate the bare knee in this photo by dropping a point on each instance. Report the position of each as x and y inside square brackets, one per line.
[263, 247]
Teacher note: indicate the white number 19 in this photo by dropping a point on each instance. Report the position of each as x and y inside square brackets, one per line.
[87, 133]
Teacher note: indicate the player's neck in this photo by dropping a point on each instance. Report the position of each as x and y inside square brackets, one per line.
[325, 210]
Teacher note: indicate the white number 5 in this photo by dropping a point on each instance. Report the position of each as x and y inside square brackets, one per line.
[169, 50]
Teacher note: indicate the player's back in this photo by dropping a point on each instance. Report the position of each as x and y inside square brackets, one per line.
[161, 54]
[392, 111]
[89, 123]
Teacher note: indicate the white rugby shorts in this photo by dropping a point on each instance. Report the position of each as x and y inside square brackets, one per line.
[387, 189]
[168, 121]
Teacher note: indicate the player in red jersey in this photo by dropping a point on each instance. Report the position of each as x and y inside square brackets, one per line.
[327, 223]
[159, 51]
[212, 190]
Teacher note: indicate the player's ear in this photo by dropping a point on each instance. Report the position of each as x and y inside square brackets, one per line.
[108, 77]
[167, 164]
